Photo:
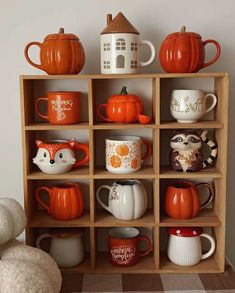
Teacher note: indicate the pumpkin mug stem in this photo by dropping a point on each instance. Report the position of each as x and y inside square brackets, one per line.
[26, 54]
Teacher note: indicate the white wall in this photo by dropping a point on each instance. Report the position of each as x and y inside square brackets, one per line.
[25, 21]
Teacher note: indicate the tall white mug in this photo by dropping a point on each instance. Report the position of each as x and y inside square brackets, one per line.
[189, 106]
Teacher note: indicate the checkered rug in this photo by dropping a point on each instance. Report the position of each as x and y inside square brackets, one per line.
[171, 283]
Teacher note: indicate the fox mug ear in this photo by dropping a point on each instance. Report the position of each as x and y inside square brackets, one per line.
[38, 142]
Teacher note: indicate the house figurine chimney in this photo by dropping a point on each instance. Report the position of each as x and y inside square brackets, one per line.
[119, 45]
[109, 18]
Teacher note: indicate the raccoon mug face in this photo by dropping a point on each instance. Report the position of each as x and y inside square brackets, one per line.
[186, 155]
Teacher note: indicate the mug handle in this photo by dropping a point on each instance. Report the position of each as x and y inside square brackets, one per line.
[98, 197]
[211, 194]
[37, 195]
[37, 107]
[83, 147]
[26, 54]
[218, 51]
[148, 150]
[40, 238]
[212, 249]
[214, 102]
[153, 53]
[101, 116]
[148, 242]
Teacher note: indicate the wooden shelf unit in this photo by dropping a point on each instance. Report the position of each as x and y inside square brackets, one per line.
[155, 172]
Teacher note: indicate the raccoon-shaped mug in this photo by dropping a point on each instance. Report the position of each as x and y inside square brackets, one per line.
[189, 106]
[186, 155]
[58, 156]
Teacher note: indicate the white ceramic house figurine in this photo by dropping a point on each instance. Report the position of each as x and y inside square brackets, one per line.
[120, 46]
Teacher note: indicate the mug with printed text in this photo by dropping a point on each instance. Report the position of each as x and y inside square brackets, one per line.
[123, 246]
[62, 107]
[189, 106]
[124, 153]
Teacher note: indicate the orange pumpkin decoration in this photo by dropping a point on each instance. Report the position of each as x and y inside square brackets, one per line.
[115, 161]
[59, 54]
[184, 52]
[134, 163]
[122, 108]
[122, 150]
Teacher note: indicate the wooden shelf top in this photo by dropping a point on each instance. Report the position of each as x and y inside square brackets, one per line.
[200, 124]
[80, 173]
[104, 219]
[205, 266]
[205, 218]
[122, 126]
[42, 219]
[145, 172]
[211, 172]
[123, 76]
[48, 126]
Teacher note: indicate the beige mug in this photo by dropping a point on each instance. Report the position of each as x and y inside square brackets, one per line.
[124, 153]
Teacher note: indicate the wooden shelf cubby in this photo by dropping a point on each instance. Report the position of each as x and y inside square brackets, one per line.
[154, 90]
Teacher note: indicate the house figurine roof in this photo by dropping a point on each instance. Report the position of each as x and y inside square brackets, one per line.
[119, 24]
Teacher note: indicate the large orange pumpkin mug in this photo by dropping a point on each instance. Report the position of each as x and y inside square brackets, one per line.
[62, 107]
[59, 54]
[182, 199]
[65, 200]
[184, 52]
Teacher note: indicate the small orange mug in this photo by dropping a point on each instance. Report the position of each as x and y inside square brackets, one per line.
[65, 200]
[63, 107]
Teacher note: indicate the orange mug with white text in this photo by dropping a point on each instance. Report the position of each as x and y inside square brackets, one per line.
[62, 107]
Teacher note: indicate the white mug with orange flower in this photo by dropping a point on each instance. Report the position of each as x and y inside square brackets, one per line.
[124, 153]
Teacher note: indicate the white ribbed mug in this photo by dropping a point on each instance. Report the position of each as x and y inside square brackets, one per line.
[185, 249]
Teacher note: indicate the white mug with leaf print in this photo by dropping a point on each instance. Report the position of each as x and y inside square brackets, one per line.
[124, 153]
[189, 106]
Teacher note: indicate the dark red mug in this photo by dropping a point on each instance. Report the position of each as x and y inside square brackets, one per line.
[123, 245]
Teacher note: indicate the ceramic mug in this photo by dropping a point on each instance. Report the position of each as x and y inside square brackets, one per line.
[65, 200]
[124, 153]
[184, 246]
[182, 199]
[58, 156]
[189, 106]
[66, 246]
[123, 245]
[62, 107]
[127, 199]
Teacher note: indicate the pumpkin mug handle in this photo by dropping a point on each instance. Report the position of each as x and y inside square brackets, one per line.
[212, 249]
[26, 54]
[83, 147]
[37, 109]
[148, 250]
[148, 150]
[101, 116]
[37, 195]
[211, 194]
[153, 53]
[218, 51]
[99, 199]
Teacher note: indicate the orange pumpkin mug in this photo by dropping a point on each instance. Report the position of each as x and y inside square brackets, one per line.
[182, 199]
[59, 54]
[65, 200]
[62, 107]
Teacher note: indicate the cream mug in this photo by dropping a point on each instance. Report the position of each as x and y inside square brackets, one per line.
[189, 106]
[124, 153]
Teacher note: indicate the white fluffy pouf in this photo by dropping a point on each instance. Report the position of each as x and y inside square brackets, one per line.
[23, 269]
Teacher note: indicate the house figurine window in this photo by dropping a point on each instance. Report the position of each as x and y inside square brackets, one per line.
[106, 64]
[106, 46]
[133, 46]
[120, 44]
[133, 64]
